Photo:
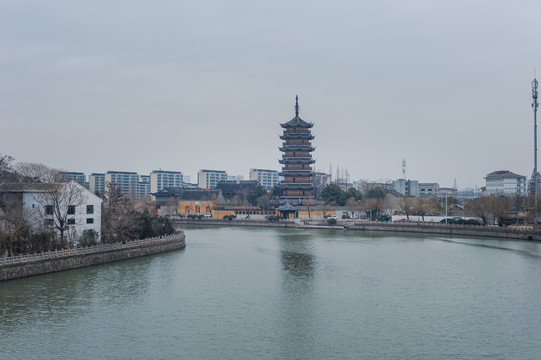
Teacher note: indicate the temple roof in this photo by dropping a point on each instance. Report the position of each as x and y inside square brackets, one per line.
[300, 147]
[296, 186]
[286, 207]
[297, 121]
[297, 135]
[296, 160]
[306, 173]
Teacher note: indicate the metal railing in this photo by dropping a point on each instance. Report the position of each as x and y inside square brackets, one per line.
[56, 254]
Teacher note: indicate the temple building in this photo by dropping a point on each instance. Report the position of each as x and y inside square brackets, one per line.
[296, 159]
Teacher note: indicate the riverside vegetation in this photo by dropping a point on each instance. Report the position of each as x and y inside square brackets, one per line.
[122, 219]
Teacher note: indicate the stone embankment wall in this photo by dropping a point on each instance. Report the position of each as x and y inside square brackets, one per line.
[463, 230]
[43, 263]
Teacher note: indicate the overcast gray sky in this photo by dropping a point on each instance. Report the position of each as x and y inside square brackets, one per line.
[186, 85]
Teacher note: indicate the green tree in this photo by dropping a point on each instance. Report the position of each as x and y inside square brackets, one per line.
[255, 193]
[333, 194]
[376, 193]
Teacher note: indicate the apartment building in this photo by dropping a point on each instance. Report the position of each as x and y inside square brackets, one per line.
[266, 178]
[208, 179]
[125, 180]
[161, 179]
[96, 183]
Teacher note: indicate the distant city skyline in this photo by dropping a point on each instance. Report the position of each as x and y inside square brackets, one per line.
[101, 86]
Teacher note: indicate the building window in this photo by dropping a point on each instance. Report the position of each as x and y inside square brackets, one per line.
[90, 209]
[71, 209]
[48, 209]
[90, 220]
[71, 221]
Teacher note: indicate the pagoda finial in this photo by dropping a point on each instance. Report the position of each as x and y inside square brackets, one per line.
[296, 105]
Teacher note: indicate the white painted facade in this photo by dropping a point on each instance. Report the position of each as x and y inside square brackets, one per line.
[505, 182]
[86, 216]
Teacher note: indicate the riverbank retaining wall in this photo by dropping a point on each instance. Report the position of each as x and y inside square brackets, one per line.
[60, 260]
[441, 229]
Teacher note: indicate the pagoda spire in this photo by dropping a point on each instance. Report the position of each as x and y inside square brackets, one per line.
[296, 105]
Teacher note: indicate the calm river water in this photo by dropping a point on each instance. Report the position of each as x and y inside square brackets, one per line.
[253, 293]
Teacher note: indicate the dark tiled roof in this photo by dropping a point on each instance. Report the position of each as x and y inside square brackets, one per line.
[187, 193]
[297, 122]
[503, 174]
[286, 207]
[24, 187]
[233, 187]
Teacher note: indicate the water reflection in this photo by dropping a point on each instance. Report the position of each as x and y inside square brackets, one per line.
[296, 256]
[298, 314]
[60, 296]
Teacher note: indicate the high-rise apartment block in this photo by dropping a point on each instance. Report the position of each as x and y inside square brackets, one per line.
[96, 183]
[67, 176]
[266, 178]
[161, 179]
[208, 179]
[125, 180]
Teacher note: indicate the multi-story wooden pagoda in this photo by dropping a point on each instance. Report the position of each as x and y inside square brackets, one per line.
[296, 159]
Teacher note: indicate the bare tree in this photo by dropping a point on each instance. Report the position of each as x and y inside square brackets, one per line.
[407, 205]
[60, 201]
[14, 229]
[478, 207]
[373, 206]
[5, 167]
[118, 217]
[499, 206]
[353, 205]
[426, 206]
[36, 172]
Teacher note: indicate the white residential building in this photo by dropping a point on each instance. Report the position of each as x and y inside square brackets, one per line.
[208, 179]
[125, 180]
[35, 202]
[505, 182]
[161, 179]
[266, 178]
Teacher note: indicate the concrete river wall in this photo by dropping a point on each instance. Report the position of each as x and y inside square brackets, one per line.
[509, 233]
[43, 263]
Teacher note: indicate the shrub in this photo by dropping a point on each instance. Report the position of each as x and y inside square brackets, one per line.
[273, 218]
[331, 221]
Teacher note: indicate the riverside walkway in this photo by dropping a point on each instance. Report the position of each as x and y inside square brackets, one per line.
[63, 253]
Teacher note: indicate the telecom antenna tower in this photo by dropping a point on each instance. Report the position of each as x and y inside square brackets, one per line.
[535, 105]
